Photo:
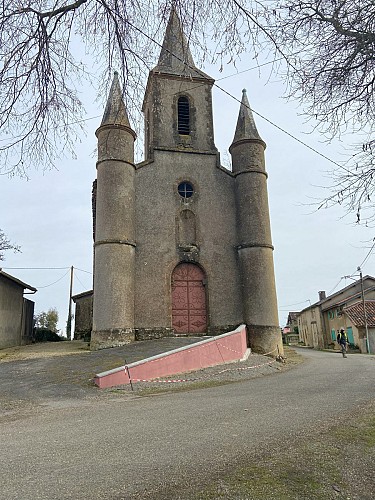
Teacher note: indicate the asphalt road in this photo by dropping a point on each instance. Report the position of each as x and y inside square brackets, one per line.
[124, 447]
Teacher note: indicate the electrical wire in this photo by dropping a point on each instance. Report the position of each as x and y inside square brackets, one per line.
[368, 255]
[78, 269]
[46, 286]
[76, 277]
[295, 304]
[334, 288]
[33, 268]
[235, 98]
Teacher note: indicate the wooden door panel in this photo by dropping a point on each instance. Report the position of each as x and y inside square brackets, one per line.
[189, 310]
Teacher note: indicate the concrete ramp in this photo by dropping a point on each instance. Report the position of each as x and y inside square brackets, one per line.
[226, 348]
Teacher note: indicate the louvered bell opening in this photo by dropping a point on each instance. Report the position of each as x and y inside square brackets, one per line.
[183, 116]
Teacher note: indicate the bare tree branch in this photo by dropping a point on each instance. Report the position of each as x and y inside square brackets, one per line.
[328, 47]
[5, 244]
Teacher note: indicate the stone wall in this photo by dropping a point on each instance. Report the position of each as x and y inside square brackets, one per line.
[83, 316]
[11, 306]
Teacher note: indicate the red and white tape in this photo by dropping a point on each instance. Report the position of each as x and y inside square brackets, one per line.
[174, 381]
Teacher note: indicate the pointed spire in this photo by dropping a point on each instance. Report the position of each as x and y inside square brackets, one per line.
[115, 111]
[246, 128]
[175, 56]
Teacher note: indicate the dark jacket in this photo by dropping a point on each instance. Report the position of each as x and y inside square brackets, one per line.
[342, 338]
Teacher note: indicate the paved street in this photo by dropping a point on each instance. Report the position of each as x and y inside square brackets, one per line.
[126, 447]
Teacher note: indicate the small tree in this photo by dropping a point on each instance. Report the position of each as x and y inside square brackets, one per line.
[47, 320]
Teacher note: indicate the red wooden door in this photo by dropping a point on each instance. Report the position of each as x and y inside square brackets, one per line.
[189, 311]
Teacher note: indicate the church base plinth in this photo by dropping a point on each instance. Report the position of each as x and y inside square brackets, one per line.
[265, 340]
[114, 337]
[152, 333]
[219, 330]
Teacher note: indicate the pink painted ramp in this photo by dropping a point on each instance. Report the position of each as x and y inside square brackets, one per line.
[226, 348]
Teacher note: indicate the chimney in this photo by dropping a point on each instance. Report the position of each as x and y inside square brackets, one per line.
[322, 295]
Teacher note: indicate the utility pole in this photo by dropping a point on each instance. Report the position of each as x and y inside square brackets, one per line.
[364, 310]
[69, 322]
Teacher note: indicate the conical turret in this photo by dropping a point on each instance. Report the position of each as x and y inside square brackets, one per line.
[115, 111]
[247, 148]
[246, 128]
[114, 245]
[254, 234]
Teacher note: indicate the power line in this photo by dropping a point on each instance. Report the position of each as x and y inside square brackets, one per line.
[75, 274]
[235, 98]
[191, 88]
[368, 255]
[334, 288]
[283, 130]
[295, 304]
[34, 268]
[46, 286]
[78, 269]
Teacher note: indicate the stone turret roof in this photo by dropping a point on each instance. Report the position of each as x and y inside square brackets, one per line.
[246, 128]
[175, 57]
[115, 111]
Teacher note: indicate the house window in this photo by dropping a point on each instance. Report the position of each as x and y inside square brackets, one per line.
[183, 111]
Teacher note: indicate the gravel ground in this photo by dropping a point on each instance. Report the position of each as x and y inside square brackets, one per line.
[267, 437]
[53, 374]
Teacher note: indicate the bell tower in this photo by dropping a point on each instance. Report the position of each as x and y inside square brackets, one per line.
[178, 104]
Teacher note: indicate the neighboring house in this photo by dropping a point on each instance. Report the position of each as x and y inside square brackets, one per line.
[83, 315]
[319, 323]
[355, 314]
[292, 322]
[16, 312]
[311, 326]
[290, 331]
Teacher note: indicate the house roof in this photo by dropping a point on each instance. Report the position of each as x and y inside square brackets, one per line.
[293, 315]
[17, 281]
[348, 298]
[356, 314]
[339, 292]
[81, 295]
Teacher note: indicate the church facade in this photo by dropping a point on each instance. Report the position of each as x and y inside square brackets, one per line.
[181, 244]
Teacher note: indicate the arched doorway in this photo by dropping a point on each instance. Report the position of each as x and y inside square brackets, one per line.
[189, 310]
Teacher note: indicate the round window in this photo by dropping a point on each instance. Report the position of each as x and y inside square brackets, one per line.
[185, 190]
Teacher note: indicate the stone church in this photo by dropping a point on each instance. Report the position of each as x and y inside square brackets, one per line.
[181, 244]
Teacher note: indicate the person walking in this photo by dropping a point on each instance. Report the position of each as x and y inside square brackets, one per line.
[342, 340]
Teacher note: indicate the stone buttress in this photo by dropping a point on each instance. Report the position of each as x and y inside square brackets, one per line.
[255, 250]
[114, 245]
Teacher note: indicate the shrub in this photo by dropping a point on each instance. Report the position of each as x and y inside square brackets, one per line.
[45, 335]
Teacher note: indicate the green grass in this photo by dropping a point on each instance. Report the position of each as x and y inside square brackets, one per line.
[332, 464]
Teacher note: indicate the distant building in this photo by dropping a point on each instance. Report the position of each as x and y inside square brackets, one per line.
[16, 312]
[290, 331]
[83, 315]
[319, 323]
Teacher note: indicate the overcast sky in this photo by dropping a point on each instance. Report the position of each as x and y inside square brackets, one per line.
[49, 215]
